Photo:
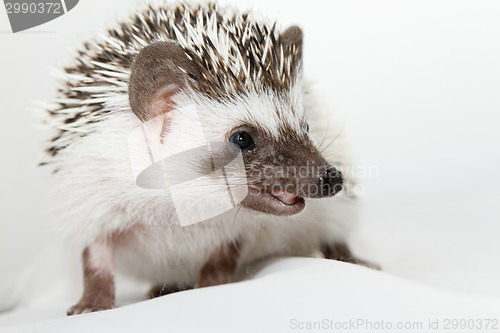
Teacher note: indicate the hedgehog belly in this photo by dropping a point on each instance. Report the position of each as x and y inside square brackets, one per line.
[155, 256]
[166, 255]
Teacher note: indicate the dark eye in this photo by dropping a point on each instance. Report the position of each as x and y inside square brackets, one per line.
[307, 127]
[241, 140]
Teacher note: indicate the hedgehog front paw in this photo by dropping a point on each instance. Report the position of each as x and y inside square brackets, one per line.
[87, 307]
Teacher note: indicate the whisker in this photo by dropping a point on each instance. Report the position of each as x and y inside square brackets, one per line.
[334, 139]
[326, 133]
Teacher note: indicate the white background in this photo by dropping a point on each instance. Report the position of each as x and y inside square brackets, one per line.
[417, 81]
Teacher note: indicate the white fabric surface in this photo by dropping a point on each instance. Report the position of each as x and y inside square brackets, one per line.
[281, 296]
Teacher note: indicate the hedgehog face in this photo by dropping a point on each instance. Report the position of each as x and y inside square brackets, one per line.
[282, 171]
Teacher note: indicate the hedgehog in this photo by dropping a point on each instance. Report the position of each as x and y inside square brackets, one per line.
[187, 143]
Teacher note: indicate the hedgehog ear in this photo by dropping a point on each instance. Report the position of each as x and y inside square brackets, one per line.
[159, 72]
[291, 40]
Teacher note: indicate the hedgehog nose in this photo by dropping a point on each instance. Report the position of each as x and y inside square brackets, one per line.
[330, 182]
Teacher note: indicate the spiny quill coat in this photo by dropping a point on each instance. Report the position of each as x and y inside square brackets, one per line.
[244, 77]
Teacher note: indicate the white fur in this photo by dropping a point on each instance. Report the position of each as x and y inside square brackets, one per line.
[100, 256]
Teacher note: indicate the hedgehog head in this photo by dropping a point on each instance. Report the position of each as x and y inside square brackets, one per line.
[249, 96]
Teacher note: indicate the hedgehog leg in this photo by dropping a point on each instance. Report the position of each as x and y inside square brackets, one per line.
[341, 252]
[98, 281]
[220, 266]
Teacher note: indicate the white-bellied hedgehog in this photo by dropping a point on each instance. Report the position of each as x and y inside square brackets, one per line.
[184, 91]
